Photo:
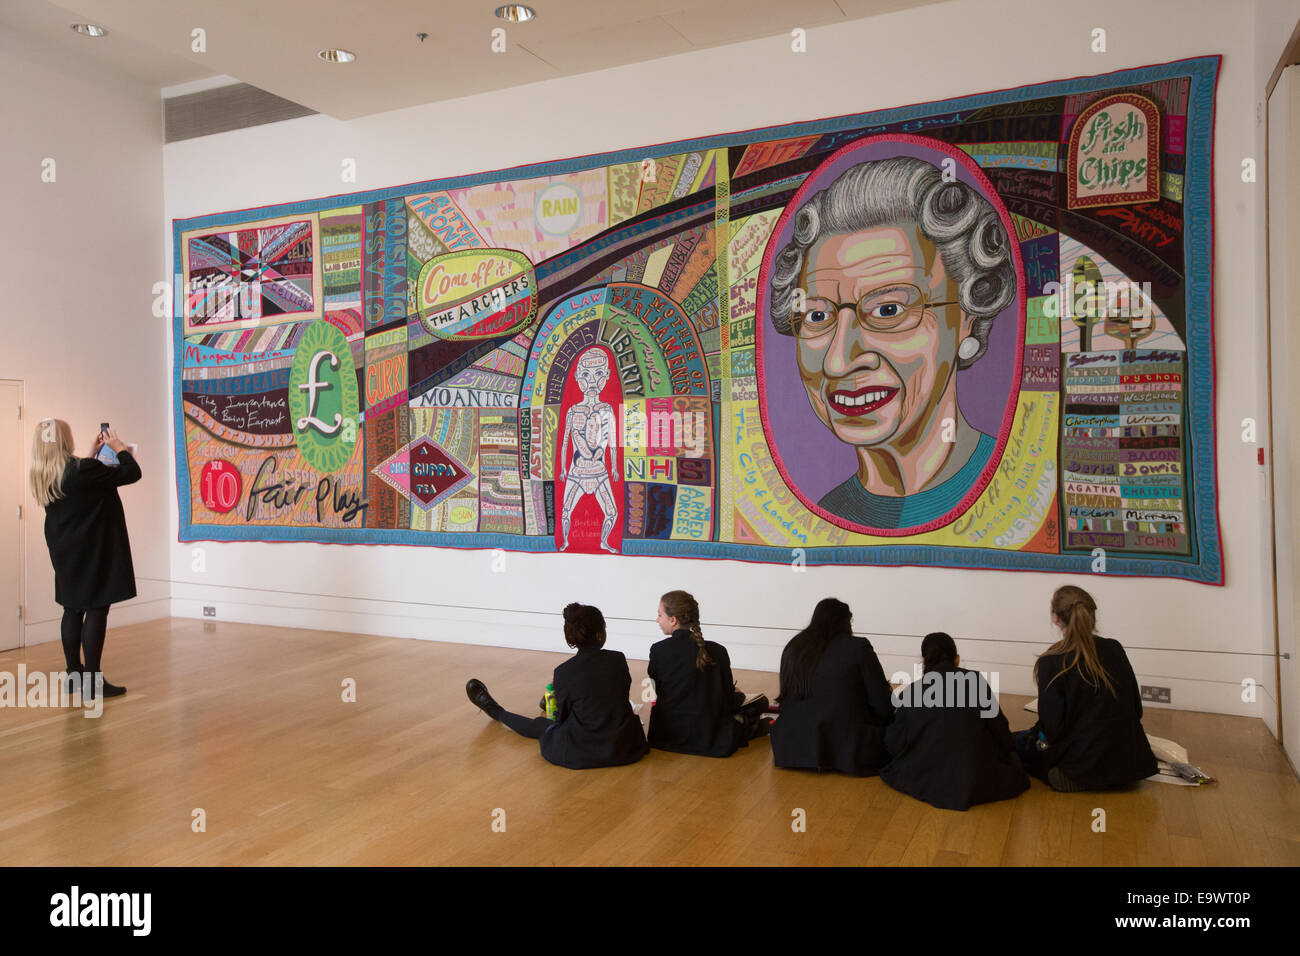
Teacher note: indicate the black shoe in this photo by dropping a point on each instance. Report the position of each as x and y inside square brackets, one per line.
[480, 698]
[110, 690]
[1061, 782]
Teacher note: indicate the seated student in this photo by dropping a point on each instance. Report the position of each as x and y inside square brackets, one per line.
[950, 743]
[596, 726]
[1089, 733]
[835, 700]
[698, 709]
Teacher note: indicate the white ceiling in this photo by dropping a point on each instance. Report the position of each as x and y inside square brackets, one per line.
[117, 53]
[272, 44]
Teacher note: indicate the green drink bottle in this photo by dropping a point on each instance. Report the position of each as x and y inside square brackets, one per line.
[552, 706]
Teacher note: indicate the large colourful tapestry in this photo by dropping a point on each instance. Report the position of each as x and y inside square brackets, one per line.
[974, 333]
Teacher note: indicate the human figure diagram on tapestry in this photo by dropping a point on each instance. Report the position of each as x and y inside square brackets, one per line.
[589, 427]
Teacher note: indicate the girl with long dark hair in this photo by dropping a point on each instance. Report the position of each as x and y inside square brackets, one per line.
[835, 699]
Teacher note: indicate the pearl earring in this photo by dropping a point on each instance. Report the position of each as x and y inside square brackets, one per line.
[969, 346]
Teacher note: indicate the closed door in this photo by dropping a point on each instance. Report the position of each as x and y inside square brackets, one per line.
[11, 525]
[1284, 323]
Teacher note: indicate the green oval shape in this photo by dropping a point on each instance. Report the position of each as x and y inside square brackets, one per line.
[477, 294]
[324, 410]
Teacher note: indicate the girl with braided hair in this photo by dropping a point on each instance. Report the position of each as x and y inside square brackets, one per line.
[1089, 733]
[698, 709]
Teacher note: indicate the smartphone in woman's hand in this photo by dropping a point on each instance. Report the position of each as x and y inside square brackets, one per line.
[105, 453]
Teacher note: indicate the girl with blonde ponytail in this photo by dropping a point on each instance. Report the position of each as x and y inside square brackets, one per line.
[1075, 613]
[698, 709]
[1089, 734]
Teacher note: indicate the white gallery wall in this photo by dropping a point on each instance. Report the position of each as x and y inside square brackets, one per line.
[1201, 641]
[81, 167]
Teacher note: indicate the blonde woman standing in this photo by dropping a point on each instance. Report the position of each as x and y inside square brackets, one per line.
[85, 529]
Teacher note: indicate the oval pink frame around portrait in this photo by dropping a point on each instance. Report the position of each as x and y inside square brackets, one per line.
[762, 319]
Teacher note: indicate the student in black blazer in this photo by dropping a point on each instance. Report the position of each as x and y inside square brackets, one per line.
[950, 744]
[1089, 734]
[85, 530]
[697, 708]
[835, 699]
[596, 726]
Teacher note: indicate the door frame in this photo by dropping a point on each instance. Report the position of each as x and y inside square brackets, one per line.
[1290, 56]
[24, 503]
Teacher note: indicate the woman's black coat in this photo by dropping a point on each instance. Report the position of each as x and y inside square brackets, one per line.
[86, 534]
[1094, 738]
[693, 710]
[951, 756]
[841, 724]
[595, 726]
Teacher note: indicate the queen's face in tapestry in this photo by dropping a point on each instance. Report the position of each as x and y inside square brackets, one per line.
[889, 284]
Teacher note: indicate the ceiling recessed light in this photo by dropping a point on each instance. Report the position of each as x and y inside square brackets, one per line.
[89, 30]
[515, 12]
[336, 56]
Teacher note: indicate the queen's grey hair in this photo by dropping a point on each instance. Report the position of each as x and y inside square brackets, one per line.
[962, 224]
